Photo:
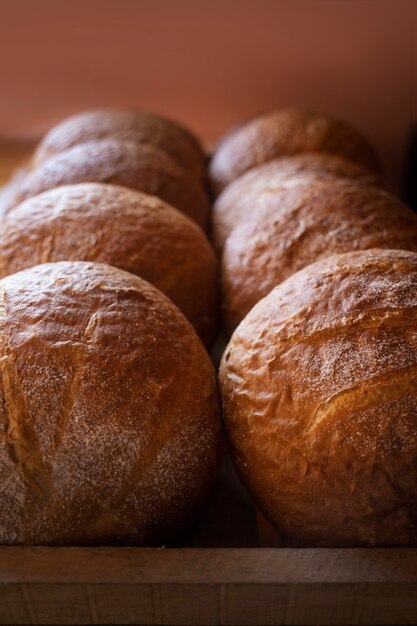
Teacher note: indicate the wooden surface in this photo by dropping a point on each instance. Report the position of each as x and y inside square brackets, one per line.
[258, 586]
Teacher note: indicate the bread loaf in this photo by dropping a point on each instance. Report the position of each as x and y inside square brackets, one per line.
[319, 391]
[285, 132]
[140, 167]
[139, 127]
[292, 228]
[121, 227]
[109, 417]
[239, 199]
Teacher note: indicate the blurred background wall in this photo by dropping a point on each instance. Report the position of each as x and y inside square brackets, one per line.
[211, 63]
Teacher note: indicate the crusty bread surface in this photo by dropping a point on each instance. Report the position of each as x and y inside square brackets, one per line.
[109, 414]
[293, 227]
[140, 127]
[238, 201]
[319, 393]
[136, 166]
[124, 228]
[285, 132]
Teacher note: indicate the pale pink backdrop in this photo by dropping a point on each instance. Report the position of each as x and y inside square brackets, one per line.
[211, 63]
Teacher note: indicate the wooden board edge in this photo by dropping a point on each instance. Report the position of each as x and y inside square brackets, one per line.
[207, 586]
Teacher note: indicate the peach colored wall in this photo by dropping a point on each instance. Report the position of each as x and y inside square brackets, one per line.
[211, 63]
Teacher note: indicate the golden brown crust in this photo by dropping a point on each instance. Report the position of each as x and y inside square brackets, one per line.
[294, 227]
[136, 126]
[237, 201]
[140, 167]
[124, 228]
[319, 390]
[285, 132]
[109, 413]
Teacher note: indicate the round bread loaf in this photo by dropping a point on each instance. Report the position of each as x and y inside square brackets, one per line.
[121, 227]
[319, 391]
[295, 227]
[109, 415]
[140, 167]
[239, 198]
[136, 126]
[285, 132]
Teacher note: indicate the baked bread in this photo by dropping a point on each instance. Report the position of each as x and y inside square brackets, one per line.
[137, 126]
[285, 132]
[121, 227]
[109, 415]
[237, 201]
[295, 227]
[140, 167]
[320, 404]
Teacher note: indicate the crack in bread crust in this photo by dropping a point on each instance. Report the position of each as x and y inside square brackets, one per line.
[384, 318]
[78, 356]
[370, 393]
[21, 437]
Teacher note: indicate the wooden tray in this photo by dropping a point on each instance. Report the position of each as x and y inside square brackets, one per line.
[218, 574]
[207, 586]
